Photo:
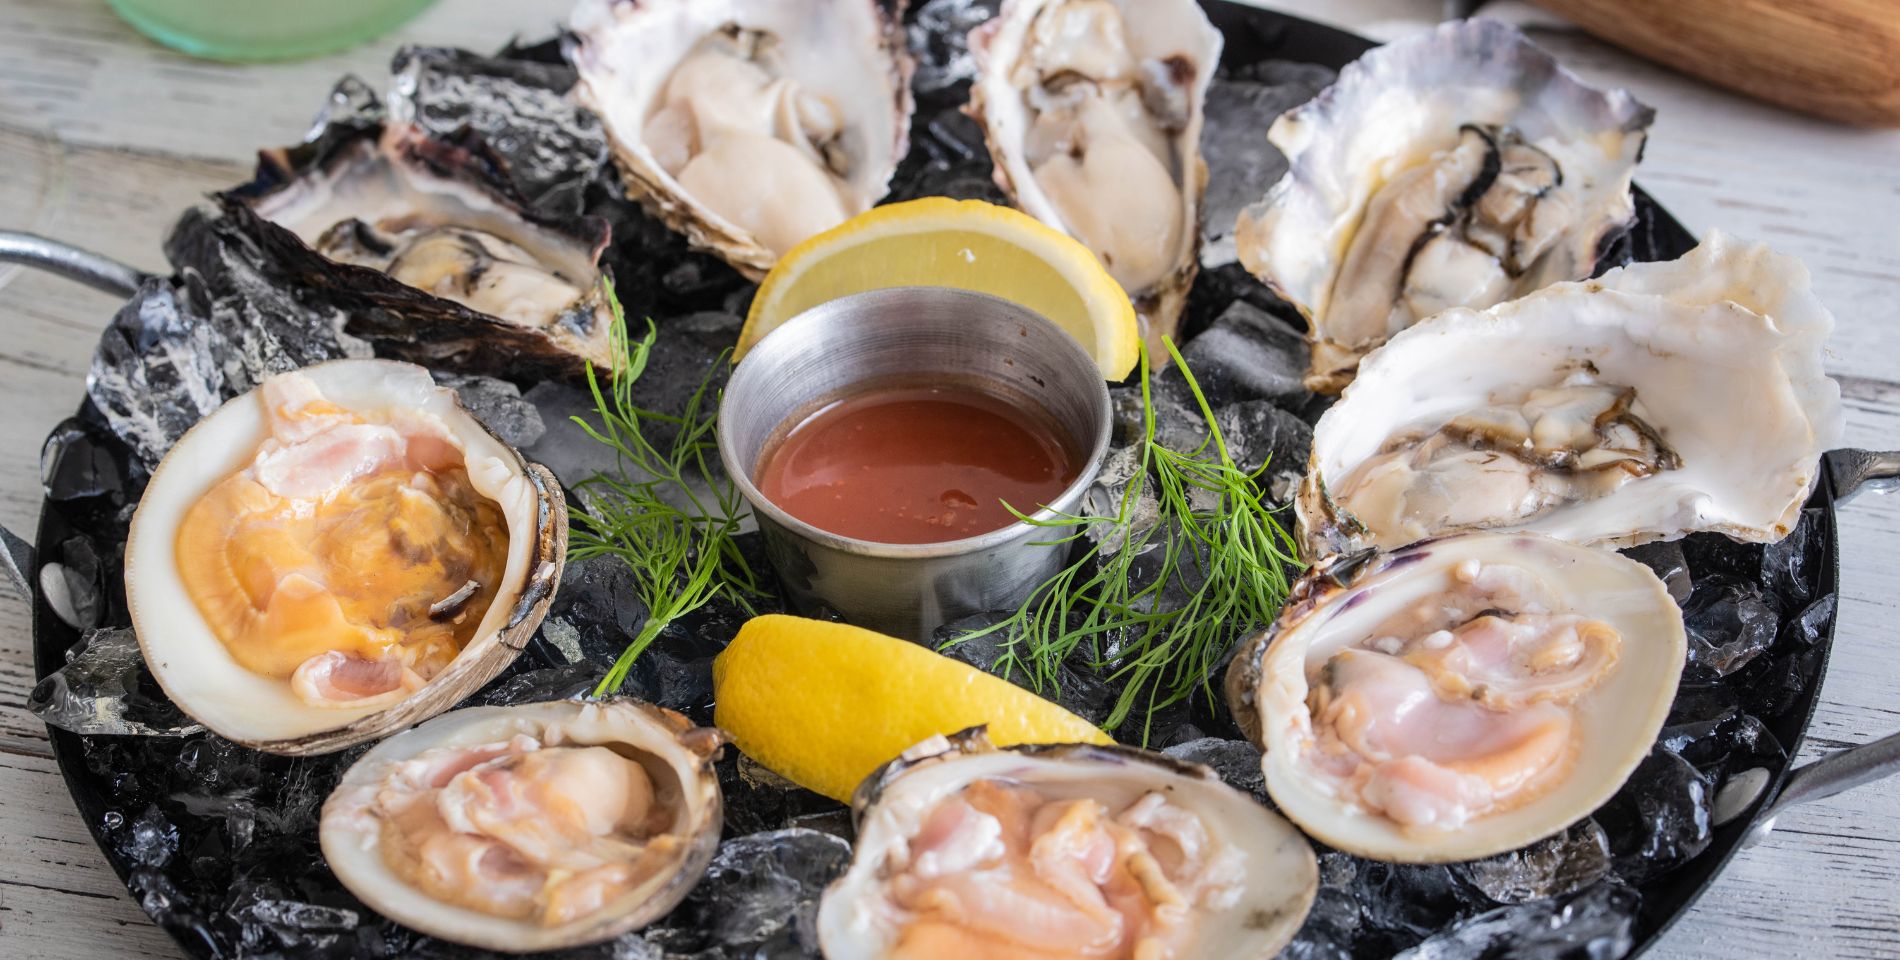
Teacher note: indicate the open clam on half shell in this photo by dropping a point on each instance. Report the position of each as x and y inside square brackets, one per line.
[747, 125]
[1459, 697]
[531, 827]
[337, 554]
[966, 850]
[1659, 400]
[1457, 168]
[1093, 110]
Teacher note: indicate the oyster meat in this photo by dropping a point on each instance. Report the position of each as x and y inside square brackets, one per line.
[429, 256]
[531, 827]
[1093, 110]
[337, 554]
[965, 850]
[1660, 400]
[1459, 168]
[1461, 697]
[747, 125]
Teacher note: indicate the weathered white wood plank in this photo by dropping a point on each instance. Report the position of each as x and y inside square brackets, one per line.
[103, 138]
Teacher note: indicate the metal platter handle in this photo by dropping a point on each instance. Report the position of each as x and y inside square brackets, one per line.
[1852, 472]
[1856, 471]
[16, 561]
[1832, 774]
[99, 272]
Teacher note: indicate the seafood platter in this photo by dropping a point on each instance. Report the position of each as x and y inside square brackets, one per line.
[1057, 478]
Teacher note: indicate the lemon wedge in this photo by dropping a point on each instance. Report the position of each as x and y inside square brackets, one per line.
[969, 244]
[824, 704]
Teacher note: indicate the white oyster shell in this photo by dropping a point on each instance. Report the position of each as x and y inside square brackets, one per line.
[198, 672]
[1398, 108]
[1116, 99]
[842, 59]
[1617, 719]
[857, 920]
[676, 755]
[1723, 348]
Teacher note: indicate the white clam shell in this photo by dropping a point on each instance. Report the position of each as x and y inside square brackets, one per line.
[196, 670]
[858, 921]
[1618, 718]
[676, 754]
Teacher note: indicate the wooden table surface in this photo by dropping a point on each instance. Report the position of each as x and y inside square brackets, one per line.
[104, 138]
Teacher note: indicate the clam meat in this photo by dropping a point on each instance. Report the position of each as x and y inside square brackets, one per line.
[1459, 168]
[1660, 400]
[965, 850]
[1093, 110]
[748, 125]
[531, 827]
[338, 553]
[1459, 697]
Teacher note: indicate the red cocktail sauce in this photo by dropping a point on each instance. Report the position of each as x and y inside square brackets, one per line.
[917, 464]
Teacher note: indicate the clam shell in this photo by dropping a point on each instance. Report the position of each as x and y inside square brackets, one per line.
[1282, 872]
[351, 836]
[196, 670]
[1342, 601]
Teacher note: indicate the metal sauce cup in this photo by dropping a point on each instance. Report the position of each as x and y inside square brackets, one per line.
[911, 335]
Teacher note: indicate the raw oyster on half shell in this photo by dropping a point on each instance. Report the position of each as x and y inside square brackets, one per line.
[337, 554]
[967, 850]
[747, 125]
[1659, 400]
[1459, 168]
[531, 827]
[1093, 110]
[1459, 697]
[428, 254]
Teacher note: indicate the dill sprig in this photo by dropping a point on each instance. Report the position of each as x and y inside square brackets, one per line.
[664, 511]
[1219, 543]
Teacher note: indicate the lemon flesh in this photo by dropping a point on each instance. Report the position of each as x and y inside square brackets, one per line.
[824, 704]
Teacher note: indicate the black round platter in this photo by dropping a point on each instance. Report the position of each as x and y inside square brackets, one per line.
[219, 843]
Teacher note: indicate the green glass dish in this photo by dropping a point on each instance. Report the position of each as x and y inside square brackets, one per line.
[255, 30]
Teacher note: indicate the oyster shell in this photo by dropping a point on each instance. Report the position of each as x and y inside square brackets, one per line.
[747, 125]
[1459, 697]
[1459, 168]
[531, 827]
[245, 570]
[951, 821]
[427, 254]
[1660, 400]
[1092, 110]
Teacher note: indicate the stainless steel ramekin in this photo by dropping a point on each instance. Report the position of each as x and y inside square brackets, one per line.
[910, 335]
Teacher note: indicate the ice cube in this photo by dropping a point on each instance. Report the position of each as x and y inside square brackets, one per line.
[1594, 924]
[1241, 164]
[498, 405]
[759, 898]
[103, 689]
[1237, 762]
[1553, 866]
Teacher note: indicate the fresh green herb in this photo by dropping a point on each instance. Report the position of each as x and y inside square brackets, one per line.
[1219, 545]
[662, 511]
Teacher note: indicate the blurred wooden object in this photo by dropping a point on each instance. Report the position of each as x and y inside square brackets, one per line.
[1834, 58]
